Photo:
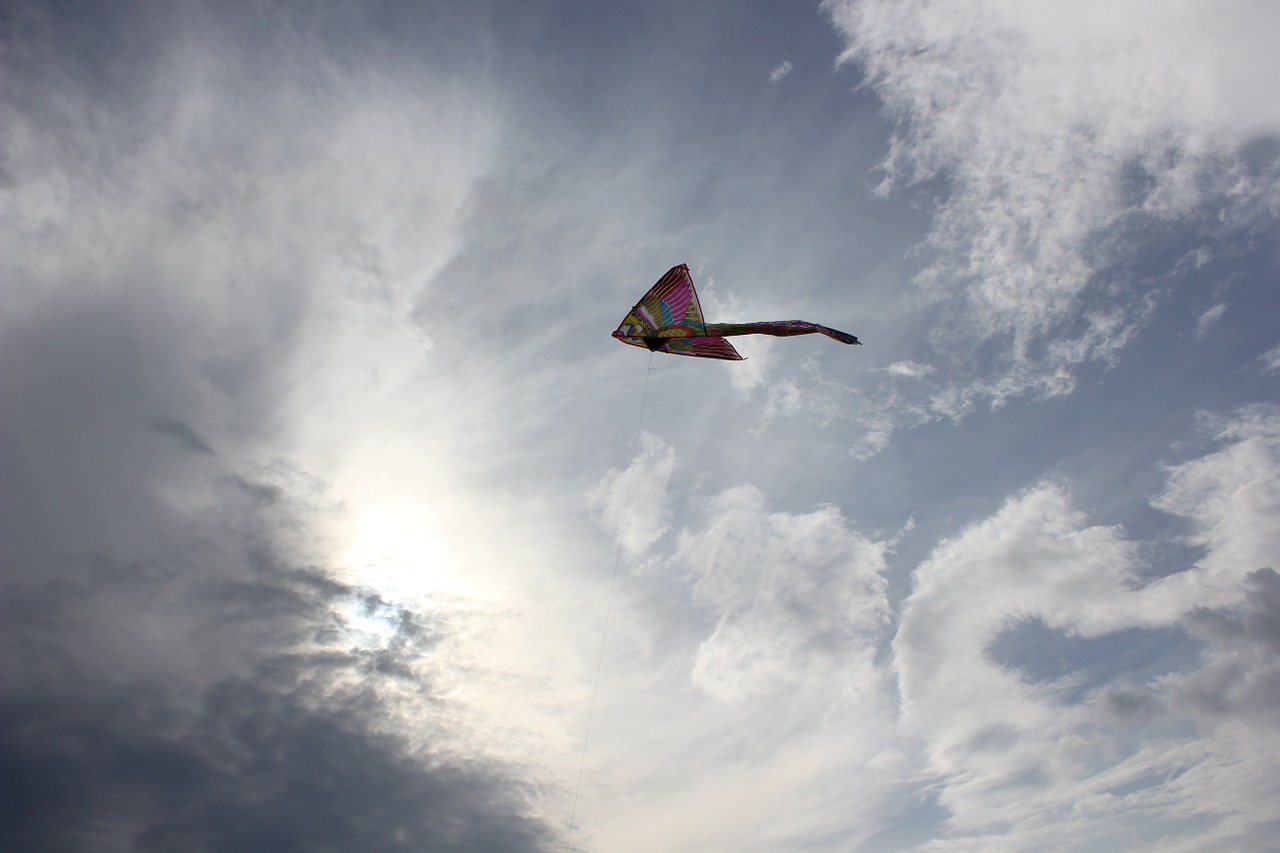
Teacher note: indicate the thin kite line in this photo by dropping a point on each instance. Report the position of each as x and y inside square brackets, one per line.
[604, 633]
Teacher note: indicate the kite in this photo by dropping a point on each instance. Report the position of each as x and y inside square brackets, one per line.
[669, 319]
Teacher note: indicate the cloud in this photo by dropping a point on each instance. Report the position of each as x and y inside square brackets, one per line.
[908, 369]
[1210, 316]
[182, 433]
[218, 234]
[796, 598]
[1020, 753]
[743, 667]
[218, 696]
[1232, 698]
[1054, 139]
[876, 412]
[633, 503]
[1034, 558]
[783, 69]
[1240, 677]
[1271, 359]
[1229, 496]
[245, 767]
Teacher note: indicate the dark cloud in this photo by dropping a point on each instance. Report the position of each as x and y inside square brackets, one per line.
[1127, 703]
[176, 673]
[183, 433]
[145, 708]
[178, 669]
[1237, 677]
[249, 768]
[1241, 674]
[1257, 628]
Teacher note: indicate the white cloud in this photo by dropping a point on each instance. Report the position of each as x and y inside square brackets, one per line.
[796, 598]
[877, 413]
[1210, 316]
[750, 687]
[908, 369]
[1034, 558]
[632, 503]
[721, 305]
[755, 371]
[1271, 359]
[1017, 760]
[1232, 498]
[1051, 124]
[783, 69]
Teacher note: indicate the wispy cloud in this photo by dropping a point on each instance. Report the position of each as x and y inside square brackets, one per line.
[783, 69]
[908, 369]
[1045, 130]
[1271, 359]
[1210, 316]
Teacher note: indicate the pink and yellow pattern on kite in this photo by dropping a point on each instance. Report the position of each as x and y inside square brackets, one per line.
[669, 309]
[669, 319]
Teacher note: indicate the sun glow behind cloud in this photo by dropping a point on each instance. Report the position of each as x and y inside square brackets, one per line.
[394, 550]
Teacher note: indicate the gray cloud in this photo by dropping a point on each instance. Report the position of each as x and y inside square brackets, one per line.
[1240, 677]
[184, 666]
[1128, 703]
[181, 432]
[247, 768]
[227, 705]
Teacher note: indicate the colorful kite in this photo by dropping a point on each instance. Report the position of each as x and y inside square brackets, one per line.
[669, 319]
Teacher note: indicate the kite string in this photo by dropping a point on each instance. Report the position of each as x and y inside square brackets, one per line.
[604, 633]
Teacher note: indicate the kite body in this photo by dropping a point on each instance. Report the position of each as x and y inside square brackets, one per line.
[669, 319]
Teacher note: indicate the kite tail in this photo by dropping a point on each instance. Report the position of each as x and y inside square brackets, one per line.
[779, 328]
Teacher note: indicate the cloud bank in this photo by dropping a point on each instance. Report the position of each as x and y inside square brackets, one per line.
[211, 241]
[1022, 755]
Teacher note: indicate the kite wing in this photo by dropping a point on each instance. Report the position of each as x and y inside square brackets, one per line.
[669, 319]
[671, 305]
[701, 347]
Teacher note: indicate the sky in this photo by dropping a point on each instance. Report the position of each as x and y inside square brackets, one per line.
[332, 517]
